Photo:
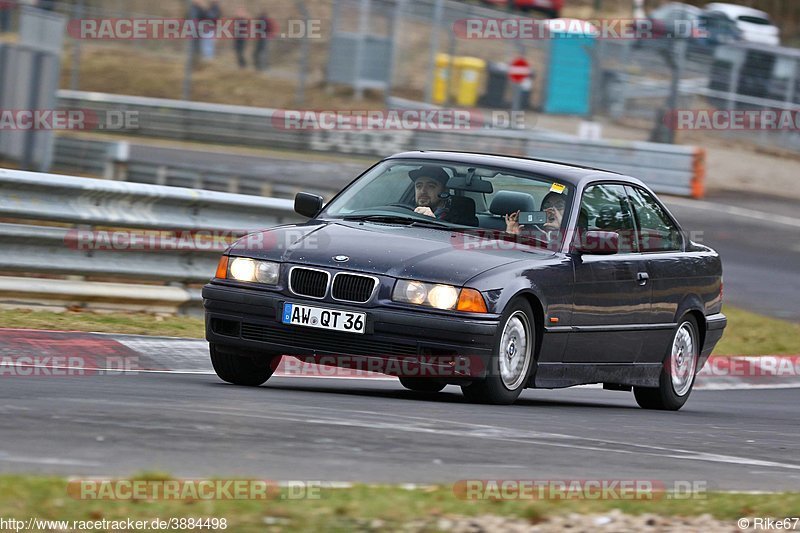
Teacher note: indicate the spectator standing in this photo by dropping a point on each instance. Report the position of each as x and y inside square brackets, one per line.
[240, 40]
[260, 57]
[208, 36]
[197, 12]
[6, 10]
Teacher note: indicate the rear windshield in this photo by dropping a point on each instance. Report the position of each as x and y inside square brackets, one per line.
[755, 20]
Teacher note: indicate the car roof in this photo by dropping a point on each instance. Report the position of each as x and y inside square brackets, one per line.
[575, 175]
[688, 8]
[735, 10]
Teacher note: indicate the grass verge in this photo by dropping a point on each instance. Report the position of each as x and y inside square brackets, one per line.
[130, 323]
[361, 507]
[747, 333]
[753, 334]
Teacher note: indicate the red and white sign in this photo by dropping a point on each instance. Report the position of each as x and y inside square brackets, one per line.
[519, 70]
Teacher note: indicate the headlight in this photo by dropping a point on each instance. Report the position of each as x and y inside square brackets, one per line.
[430, 294]
[268, 272]
[250, 270]
[242, 269]
[443, 296]
[413, 292]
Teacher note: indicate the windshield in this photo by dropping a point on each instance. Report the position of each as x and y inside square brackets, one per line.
[456, 195]
[755, 20]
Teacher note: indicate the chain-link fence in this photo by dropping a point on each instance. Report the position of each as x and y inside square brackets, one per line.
[744, 92]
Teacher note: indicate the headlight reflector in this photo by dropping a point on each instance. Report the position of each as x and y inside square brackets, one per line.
[440, 296]
[250, 270]
[268, 272]
[414, 292]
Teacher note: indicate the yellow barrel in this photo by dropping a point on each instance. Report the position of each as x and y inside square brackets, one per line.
[441, 79]
[469, 71]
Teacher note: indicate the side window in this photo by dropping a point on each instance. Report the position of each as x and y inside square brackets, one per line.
[657, 232]
[605, 207]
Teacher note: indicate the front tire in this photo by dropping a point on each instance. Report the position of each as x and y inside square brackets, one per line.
[512, 361]
[677, 372]
[241, 369]
[422, 384]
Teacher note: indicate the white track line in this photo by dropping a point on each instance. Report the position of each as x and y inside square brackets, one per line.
[761, 216]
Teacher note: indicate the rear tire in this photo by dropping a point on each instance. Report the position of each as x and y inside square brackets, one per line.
[512, 361]
[422, 384]
[241, 369]
[677, 372]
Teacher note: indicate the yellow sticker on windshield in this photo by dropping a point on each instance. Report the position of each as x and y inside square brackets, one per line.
[558, 188]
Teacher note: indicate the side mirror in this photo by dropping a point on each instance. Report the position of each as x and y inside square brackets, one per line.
[307, 204]
[597, 243]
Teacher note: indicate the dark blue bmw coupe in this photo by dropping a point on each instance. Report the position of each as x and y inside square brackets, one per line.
[489, 272]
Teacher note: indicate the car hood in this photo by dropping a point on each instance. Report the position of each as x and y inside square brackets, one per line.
[427, 254]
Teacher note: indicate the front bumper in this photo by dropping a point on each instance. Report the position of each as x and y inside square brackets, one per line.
[248, 321]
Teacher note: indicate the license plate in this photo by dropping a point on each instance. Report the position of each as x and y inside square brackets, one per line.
[317, 317]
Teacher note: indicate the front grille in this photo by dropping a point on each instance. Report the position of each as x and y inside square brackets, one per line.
[307, 282]
[307, 341]
[353, 288]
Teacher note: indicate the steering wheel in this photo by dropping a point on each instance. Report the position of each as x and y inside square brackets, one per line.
[402, 206]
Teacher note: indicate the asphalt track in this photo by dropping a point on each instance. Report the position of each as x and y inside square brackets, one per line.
[307, 429]
[758, 239]
[172, 414]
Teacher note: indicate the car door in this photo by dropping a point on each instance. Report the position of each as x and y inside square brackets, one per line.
[671, 271]
[611, 293]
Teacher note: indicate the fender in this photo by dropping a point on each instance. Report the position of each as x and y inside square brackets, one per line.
[549, 280]
[690, 302]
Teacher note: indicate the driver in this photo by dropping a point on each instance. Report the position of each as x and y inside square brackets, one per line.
[553, 205]
[430, 186]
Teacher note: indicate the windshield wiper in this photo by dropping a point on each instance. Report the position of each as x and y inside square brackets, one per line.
[398, 219]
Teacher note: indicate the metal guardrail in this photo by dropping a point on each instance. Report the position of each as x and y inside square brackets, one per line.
[674, 169]
[195, 169]
[81, 209]
[75, 200]
[668, 169]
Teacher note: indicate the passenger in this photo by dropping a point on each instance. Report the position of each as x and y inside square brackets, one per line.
[553, 205]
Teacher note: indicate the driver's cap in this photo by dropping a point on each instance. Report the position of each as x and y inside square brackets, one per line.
[432, 172]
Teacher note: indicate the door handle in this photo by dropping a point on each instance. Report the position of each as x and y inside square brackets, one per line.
[642, 278]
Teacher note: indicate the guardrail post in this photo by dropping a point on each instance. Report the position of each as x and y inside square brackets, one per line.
[161, 175]
[233, 184]
[117, 165]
